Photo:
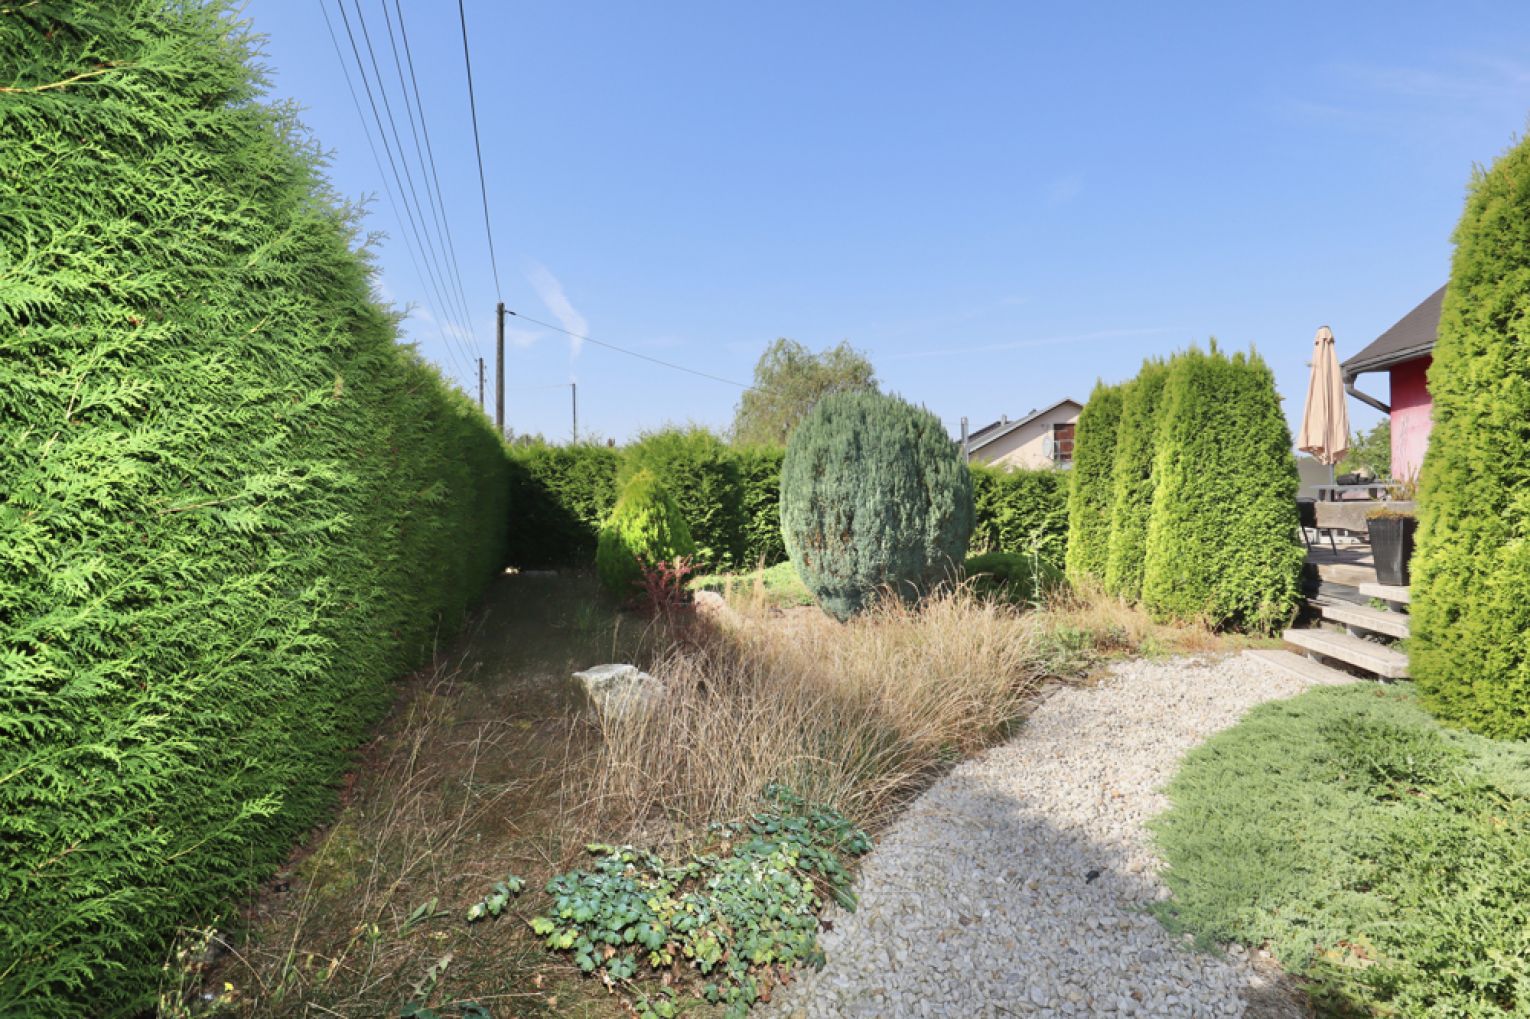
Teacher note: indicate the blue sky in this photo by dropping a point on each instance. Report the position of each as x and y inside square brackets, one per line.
[999, 202]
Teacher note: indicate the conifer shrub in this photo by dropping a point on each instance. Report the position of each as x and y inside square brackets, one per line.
[759, 469]
[702, 475]
[559, 496]
[1091, 483]
[645, 527]
[1470, 653]
[1021, 511]
[1132, 480]
[1222, 542]
[234, 506]
[874, 495]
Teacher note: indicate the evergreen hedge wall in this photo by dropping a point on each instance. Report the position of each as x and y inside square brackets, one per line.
[759, 469]
[1021, 510]
[1091, 483]
[1470, 649]
[559, 497]
[1132, 480]
[233, 506]
[702, 475]
[1222, 541]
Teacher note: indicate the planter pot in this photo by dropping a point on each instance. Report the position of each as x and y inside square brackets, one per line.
[1392, 547]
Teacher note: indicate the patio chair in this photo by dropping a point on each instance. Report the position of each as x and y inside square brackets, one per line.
[1306, 510]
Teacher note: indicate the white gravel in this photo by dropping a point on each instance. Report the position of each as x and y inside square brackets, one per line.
[978, 902]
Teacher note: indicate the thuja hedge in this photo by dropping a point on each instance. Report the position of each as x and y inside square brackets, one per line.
[233, 506]
[1091, 483]
[1021, 511]
[1132, 480]
[1222, 542]
[560, 496]
[1470, 653]
[702, 475]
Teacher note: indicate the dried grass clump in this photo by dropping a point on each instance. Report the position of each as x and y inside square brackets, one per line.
[852, 715]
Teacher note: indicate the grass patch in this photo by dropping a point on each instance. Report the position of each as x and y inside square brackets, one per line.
[1379, 855]
[777, 586]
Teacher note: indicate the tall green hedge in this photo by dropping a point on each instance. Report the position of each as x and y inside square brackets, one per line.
[759, 470]
[233, 506]
[645, 527]
[1470, 650]
[1132, 480]
[1222, 540]
[874, 496]
[559, 497]
[1021, 511]
[1091, 483]
[702, 474]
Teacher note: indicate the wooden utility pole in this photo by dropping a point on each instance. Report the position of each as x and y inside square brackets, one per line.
[573, 389]
[499, 368]
[480, 383]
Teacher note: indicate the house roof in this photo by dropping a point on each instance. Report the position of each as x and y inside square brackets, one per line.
[988, 433]
[1412, 336]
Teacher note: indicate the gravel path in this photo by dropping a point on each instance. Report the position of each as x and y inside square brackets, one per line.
[1015, 885]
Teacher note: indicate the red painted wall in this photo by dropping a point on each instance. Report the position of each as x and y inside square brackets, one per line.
[1411, 406]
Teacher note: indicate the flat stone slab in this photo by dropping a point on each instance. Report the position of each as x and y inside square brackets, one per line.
[618, 689]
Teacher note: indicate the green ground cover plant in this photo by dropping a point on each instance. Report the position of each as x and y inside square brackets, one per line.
[1222, 544]
[1133, 480]
[1380, 855]
[1021, 511]
[1091, 484]
[733, 917]
[559, 497]
[874, 497]
[645, 527]
[234, 507]
[1471, 568]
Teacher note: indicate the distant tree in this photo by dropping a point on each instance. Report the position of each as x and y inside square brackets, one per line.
[789, 380]
[1370, 450]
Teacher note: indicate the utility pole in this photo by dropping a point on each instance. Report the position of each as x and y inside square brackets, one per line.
[499, 368]
[966, 447]
[573, 389]
[480, 383]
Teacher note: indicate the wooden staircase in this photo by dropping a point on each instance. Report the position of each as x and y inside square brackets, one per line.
[1335, 648]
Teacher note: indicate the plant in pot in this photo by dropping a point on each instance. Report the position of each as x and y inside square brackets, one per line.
[1391, 528]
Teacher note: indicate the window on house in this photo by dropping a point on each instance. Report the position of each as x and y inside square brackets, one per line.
[1062, 443]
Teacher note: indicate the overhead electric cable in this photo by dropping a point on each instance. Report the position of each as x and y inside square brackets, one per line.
[624, 350]
[483, 187]
[431, 276]
[377, 160]
[431, 181]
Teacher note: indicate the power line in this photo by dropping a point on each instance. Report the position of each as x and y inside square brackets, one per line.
[377, 161]
[624, 350]
[483, 187]
[431, 276]
[432, 181]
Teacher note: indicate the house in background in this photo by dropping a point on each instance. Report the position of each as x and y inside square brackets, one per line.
[1043, 438]
[1404, 352]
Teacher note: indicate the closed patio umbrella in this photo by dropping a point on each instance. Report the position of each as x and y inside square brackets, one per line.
[1325, 421]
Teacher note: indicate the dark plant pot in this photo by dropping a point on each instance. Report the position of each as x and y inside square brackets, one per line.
[1392, 547]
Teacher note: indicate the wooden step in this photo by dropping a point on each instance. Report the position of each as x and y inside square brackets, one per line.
[1348, 574]
[1386, 592]
[1376, 658]
[1302, 667]
[1363, 617]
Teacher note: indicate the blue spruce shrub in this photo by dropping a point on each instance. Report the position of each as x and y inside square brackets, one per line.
[874, 495]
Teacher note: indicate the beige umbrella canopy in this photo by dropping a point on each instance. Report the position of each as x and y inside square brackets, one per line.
[1325, 422]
